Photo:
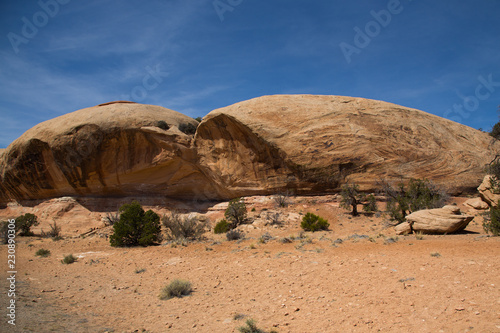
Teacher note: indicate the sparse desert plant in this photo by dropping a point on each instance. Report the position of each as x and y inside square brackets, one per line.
[390, 240]
[282, 200]
[285, 240]
[370, 204]
[493, 169]
[221, 227]
[311, 222]
[4, 232]
[251, 327]
[176, 288]
[419, 194]
[435, 254]
[25, 222]
[111, 218]
[419, 235]
[162, 124]
[265, 238]
[54, 232]
[491, 223]
[69, 259]
[139, 270]
[42, 253]
[495, 131]
[236, 212]
[274, 218]
[234, 234]
[188, 227]
[351, 197]
[198, 119]
[187, 128]
[136, 227]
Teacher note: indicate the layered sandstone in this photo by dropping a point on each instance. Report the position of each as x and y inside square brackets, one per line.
[313, 144]
[307, 144]
[114, 149]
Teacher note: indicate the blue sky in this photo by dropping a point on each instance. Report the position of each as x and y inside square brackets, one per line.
[194, 56]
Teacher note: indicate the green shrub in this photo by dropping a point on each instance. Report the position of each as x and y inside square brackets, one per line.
[188, 227]
[187, 128]
[370, 206]
[162, 124]
[493, 170]
[351, 197]
[311, 222]
[176, 288]
[236, 212]
[251, 327]
[69, 259]
[495, 131]
[234, 234]
[221, 227]
[55, 231]
[136, 227]
[491, 223]
[25, 222]
[4, 232]
[42, 253]
[198, 119]
[419, 194]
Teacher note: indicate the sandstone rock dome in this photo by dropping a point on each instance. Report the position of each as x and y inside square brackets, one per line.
[316, 143]
[310, 144]
[113, 149]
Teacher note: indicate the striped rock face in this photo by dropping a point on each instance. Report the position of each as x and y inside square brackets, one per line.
[308, 144]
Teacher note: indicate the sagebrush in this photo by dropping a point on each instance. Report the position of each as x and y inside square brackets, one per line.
[178, 226]
[176, 288]
[311, 222]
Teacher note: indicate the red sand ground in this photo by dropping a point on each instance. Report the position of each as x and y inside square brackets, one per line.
[435, 284]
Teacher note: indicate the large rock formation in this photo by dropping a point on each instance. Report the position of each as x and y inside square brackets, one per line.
[311, 144]
[444, 220]
[315, 143]
[488, 193]
[114, 149]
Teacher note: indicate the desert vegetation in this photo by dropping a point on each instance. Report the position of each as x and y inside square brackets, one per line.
[176, 288]
[183, 227]
[417, 195]
[25, 222]
[69, 259]
[136, 227]
[236, 213]
[352, 197]
[491, 222]
[311, 222]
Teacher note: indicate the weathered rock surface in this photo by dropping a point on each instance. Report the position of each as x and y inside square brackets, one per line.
[309, 144]
[113, 149]
[448, 220]
[476, 203]
[487, 193]
[315, 143]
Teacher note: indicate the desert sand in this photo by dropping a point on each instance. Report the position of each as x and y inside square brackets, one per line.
[330, 281]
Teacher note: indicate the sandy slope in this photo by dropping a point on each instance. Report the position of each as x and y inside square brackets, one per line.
[360, 285]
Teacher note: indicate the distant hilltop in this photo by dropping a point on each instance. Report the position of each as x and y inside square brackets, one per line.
[304, 143]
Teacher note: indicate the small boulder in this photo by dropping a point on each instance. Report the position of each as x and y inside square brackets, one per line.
[444, 220]
[403, 228]
[487, 193]
[476, 203]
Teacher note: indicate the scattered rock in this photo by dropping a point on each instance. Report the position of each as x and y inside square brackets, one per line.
[487, 193]
[403, 228]
[476, 203]
[448, 220]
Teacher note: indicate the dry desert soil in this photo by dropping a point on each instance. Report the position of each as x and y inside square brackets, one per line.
[330, 281]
